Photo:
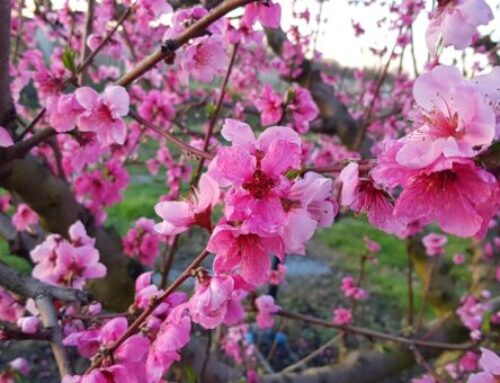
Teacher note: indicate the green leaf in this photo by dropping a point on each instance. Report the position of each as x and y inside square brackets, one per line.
[68, 59]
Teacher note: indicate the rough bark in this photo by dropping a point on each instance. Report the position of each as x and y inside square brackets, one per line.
[54, 201]
[6, 107]
[31, 288]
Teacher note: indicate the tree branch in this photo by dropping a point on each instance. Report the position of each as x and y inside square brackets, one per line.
[10, 331]
[172, 45]
[6, 106]
[22, 148]
[53, 200]
[29, 287]
[48, 314]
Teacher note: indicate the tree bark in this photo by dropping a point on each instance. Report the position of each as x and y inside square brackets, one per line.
[6, 107]
[55, 203]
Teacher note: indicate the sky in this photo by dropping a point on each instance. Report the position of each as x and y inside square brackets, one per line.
[336, 39]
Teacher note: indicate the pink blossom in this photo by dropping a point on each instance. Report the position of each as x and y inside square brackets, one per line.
[179, 215]
[270, 106]
[173, 335]
[10, 309]
[58, 261]
[351, 290]
[342, 316]
[266, 310]
[103, 113]
[455, 119]
[269, 14]
[471, 313]
[424, 379]
[362, 195]
[302, 108]
[249, 253]
[255, 168]
[490, 364]
[142, 242]
[458, 259]
[208, 305]
[469, 191]
[203, 59]
[149, 10]
[489, 86]
[434, 244]
[21, 365]
[128, 359]
[308, 205]
[277, 277]
[455, 23]
[29, 325]
[372, 246]
[67, 111]
[5, 138]
[24, 218]
[77, 264]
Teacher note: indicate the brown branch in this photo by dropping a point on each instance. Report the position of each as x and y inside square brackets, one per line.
[134, 327]
[6, 106]
[172, 45]
[22, 148]
[215, 115]
[372, 365]
[88, 60]
[371, 334]
[29, 287]
[85, 52]
[48, 314]
[32, 124]
[11, 331]
[53, 200]
[181, 144]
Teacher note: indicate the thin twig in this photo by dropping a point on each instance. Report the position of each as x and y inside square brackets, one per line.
[89, 20]
[375, 334]
[215, 115]
[22, 148]
[172, 45]
[425, 298]
[169, 260]
[181, 144]
[11, 331]
[88, 60]
[409, 280]
[134, 327]
[32, 124]
[49, 319]
[424, 363]
[313, 354]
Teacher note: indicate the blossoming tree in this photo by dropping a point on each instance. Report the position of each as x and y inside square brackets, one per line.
[260, 143]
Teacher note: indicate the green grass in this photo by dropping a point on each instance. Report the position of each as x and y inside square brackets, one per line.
[138, 201]
[387, 278]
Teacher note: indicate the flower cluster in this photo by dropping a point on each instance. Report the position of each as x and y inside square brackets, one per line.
[68, 263]
[142, 242]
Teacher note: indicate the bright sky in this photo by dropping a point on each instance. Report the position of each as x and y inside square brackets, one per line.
[337, 39]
